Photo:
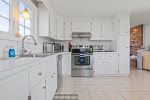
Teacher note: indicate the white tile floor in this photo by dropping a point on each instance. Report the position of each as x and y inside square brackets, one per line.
[134, 87]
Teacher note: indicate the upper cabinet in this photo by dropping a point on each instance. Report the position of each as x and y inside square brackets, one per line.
[68, 30]
[106, 30]
[46, 21]
[96, 31]
[60, 28]
[102, 30]
[81, 27]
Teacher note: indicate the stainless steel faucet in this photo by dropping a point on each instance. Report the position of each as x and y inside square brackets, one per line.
[23, 50]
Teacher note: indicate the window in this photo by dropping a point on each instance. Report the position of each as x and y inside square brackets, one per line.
[24, 24]
[5, 15]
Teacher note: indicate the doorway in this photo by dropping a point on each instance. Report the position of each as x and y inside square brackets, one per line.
[136, 44]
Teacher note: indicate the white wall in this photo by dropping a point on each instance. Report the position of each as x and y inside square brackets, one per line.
[147, 36]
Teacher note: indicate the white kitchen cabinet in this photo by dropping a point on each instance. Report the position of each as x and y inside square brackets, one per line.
[81, 27]
[43, 20]
[15, 89]
[99, 67]
[106, 33]
[38, 92]
[96, 31]
[86, 26]
[51, 84]
[124, 54]
[124, 25]
[60, 28]
[68, 30]
[106, 63]
[46, 21]
[66, 64]
[53, 23]
[76, 27]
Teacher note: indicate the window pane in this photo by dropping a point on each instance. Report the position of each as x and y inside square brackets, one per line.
[8, 1]
[27, 31]
[4, 24]
[21, 20]
[4, 9]
[21, 30]
[21, 6]
[27, 23]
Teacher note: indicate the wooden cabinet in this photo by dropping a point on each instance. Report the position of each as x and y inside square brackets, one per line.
[66, 64]
[106, 63]
[68, 30]
[16, 88]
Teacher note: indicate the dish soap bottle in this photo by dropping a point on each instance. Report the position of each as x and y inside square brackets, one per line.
[12, 53]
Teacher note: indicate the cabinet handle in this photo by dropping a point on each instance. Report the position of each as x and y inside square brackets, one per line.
[44, 87]
[52, 76]
[54, 73]
[40, 73]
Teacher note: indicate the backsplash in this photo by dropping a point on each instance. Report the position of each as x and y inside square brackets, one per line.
[10, 40]
[85, 41]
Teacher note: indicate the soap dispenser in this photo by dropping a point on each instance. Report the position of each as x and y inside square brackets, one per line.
[12, 53]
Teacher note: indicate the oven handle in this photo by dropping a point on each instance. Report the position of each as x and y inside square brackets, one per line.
[82, 68]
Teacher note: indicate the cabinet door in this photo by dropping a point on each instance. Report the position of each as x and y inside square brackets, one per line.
[60, 28]
[111, 67]
[66, 65]
[16, 89]
[52, 23]
[43, 20]
[51, 85]
[76, 27]
[99, 67]
[124, 25]
[38, 92]
[68, 30]
[124, 55]
[106, 31]
[96, 31]
[86, 27]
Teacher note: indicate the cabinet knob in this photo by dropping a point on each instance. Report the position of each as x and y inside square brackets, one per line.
[52, 76]
[44, 87]
[54, 73]
[40, 73]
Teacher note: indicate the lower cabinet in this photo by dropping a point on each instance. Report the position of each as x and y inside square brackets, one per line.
[15, 89]
[105, 64]
[66, 64]
[38, 92]
[51, 84]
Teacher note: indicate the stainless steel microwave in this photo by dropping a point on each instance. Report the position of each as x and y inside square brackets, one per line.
[52, 47]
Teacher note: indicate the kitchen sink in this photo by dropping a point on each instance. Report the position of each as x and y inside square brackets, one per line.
[35, 55]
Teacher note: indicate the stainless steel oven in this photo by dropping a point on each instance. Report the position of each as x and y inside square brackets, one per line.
[82, 62]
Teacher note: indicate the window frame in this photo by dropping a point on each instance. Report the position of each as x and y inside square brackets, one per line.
[10, 17]
[31, 18]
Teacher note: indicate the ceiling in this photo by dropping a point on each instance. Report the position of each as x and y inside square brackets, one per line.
[91, 8]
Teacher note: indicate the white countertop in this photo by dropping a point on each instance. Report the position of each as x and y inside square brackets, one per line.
[13, 63]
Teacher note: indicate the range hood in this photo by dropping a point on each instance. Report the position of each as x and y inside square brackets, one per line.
[81, 34]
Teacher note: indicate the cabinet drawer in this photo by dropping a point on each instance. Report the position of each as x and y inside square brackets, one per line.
[109, 56]
[99, 56]
[36, 75]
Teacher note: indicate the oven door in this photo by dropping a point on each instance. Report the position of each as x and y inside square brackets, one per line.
[82, 62]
